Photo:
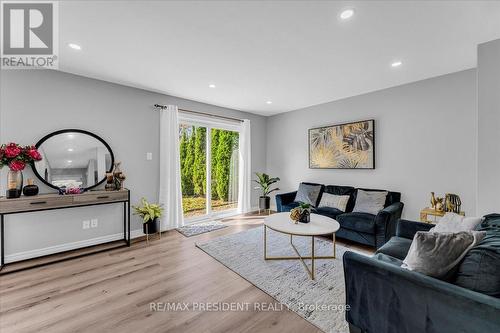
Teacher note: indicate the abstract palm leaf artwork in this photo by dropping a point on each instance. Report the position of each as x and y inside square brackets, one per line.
[344, 146]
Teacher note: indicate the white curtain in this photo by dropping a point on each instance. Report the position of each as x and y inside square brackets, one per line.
[245, 174]
[170, 169]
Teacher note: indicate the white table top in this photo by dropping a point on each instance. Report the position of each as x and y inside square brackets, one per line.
[319, 225]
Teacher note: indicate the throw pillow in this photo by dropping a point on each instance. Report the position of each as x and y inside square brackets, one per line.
[436, 253]
[308, 193]
[334, 201]
[452, 222]
[371, 202]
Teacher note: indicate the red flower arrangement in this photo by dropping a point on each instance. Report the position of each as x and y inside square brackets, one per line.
[16, 156]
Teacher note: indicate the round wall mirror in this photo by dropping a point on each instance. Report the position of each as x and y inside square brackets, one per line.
[73, 158]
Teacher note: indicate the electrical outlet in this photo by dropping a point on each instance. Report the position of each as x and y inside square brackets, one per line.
[93, 223]
[149, 156]
[86, 224]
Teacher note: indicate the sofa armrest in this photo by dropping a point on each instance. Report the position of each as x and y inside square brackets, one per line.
[284, 199]
[385, 223]
[408, 229]
[384, 297]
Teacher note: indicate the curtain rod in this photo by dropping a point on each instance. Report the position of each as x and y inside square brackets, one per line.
[158, 106]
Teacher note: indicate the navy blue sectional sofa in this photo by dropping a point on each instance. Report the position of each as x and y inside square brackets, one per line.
[383, 297]
[364, 228]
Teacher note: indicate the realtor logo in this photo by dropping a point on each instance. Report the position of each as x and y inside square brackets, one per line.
[29, 34]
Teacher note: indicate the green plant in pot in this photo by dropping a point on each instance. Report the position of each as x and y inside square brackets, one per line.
[265, 183]
[150, 214]
[305, 212]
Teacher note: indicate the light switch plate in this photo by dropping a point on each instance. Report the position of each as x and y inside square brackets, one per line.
[93, 223]
[86, 224]
[149, 156]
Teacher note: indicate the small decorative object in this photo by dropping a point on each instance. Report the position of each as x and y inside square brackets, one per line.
[452, 203]
[295, 215]
[150, 214]
[305, 213]
[265, 182]
[439, 204]
[16, 157]
[71, 190]
[110, 182]
[433, 200]
[118, 177]
[344, 146]
[30, 189]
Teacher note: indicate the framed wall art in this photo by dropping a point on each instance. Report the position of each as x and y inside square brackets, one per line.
[343, 146]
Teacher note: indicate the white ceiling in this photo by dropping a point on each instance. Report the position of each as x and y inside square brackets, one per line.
[295, 54]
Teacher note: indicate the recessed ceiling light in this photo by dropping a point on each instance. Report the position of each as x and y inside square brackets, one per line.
[396, 64]
[211, 85]
[346, 14]
[70, 149]
[69, 161]
[75, 46]
[269, 102]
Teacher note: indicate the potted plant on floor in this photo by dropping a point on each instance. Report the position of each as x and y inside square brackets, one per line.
[265, 183]
[150, 214]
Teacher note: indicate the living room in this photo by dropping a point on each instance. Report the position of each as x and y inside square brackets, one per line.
[210, 166]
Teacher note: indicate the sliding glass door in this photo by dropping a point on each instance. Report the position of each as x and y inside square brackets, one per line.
[209, 169]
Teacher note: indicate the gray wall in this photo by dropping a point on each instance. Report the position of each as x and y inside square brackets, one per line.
[425, 141]
[37, 102]
[488, 74]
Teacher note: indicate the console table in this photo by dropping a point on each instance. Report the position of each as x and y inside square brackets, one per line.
[44, 202]
[433, 212]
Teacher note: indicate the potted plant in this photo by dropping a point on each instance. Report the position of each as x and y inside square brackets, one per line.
[16, 157]
[305, 212]
[265, 183]
[301, 213]
[150, 214]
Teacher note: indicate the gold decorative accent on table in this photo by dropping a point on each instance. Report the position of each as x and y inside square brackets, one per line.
[424, 213]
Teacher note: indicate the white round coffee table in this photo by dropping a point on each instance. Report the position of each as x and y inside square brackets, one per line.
[319, 225]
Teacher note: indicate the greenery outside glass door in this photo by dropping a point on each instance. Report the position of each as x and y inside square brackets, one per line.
[209, 170]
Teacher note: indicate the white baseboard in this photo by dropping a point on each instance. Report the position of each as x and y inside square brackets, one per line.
[68, 246]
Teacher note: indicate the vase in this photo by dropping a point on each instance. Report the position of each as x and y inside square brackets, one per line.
[264, 202]
[305, 216]
[30, 189]
[14, 184]
[151, 227]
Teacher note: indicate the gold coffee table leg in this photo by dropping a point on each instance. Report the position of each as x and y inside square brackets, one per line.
[334, 251]
[265, 242]
[312, 257]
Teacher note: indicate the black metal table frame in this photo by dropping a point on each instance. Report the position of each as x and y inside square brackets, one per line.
[126, 232]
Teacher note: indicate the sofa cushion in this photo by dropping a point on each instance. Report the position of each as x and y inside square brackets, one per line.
[309, 193]
[289, 207]
[392, 197]
[342, 190]
[452, 222]
[437, 253]
[396, 247]
[480, 269]
[334, 201]
[362, 222]
[370, 201]
[328, 211]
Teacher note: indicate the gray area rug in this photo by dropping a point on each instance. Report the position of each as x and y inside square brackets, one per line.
[200, 228]
[321, 302]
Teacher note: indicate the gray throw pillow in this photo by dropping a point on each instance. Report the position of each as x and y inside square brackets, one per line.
[436, 253]
[308, 193]
[371, 202]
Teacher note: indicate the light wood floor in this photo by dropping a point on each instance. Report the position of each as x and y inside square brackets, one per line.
[112, 291]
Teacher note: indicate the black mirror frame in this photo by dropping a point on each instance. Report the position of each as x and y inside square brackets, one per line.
[73, 130]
